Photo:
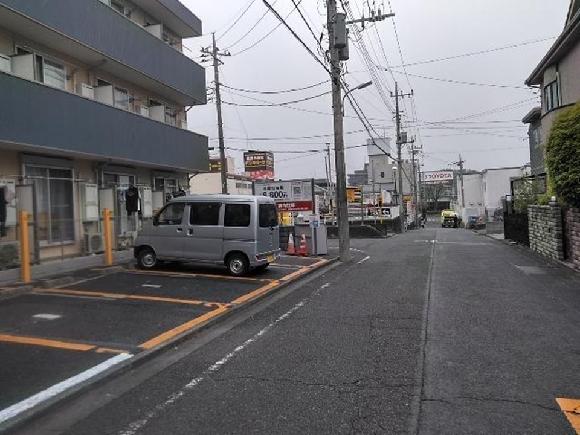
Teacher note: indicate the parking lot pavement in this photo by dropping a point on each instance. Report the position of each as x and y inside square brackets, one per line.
[60, 336]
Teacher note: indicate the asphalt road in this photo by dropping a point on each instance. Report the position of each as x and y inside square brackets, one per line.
[433, 331]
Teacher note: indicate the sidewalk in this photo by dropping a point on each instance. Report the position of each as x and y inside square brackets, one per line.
[57, 267]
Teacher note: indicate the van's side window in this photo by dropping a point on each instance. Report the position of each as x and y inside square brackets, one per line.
[268, 215]
[204, 213]
[172, 214]
[237, 215]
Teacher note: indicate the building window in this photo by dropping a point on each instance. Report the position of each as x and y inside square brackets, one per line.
[121, 98]
[54, 203]
[50, 73]
[551, 96]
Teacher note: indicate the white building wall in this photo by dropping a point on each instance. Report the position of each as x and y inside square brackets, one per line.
[211, 183]
[496, 184]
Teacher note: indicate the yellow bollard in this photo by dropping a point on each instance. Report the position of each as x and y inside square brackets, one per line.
[24, 248]
[108, 237]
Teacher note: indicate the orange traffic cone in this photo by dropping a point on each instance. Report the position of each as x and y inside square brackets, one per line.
[291, 249]
[303, 249]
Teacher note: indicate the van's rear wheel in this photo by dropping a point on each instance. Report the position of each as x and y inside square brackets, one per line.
[237, 264]
[147, 258]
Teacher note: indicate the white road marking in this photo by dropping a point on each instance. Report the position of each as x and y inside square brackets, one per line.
[326, 285]
[46, 316]
[364, 259]
[151, 285]
[356, 250]
[26, 404]
[137, 425]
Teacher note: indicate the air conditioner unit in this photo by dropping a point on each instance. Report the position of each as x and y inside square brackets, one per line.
[93, 243]
[86, 91]
[5, 63]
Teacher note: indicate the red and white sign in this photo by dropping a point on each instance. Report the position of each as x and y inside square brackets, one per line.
[438, 176]
[294, 206]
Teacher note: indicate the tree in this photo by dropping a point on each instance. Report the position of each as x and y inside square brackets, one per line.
[433, 192]
[563, 156]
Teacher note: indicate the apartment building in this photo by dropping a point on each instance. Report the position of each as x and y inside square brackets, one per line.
[93, 115]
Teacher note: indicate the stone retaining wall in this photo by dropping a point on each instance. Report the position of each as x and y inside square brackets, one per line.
[573, 236]
[546, 230]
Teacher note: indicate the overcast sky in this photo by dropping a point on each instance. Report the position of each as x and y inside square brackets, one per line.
[427, 30]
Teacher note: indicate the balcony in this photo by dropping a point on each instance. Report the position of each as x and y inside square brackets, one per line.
[98, 36]
[38, 118]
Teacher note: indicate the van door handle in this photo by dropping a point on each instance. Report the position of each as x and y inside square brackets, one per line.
[179, 230]
[190, 232]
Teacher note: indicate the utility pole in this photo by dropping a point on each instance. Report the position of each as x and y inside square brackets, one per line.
[341, 201]
[338, 51]
[460, 164]
[414, 180]
[400, 141]
[215, 55]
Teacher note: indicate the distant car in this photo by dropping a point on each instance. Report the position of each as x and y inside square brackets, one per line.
[449, 219]
[475, 222]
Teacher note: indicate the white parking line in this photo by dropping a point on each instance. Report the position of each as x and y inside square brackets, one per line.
[26, 404]
[151, 285]
[364, 259]
[46, 316]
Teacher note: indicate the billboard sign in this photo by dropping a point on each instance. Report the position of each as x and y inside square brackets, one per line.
[215, 165]
[259, 165]
[292, 195]
[438, 176]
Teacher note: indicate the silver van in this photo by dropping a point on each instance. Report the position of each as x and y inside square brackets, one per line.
[239, 231]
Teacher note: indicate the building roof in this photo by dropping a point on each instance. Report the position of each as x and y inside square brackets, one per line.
[533, 115]
[567, 40]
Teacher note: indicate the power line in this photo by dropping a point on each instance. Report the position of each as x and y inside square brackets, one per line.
[459, 82]
[250, 29]
[475, 53]
[285, 103]
[236, 20]
[284, 91]
[265, 36]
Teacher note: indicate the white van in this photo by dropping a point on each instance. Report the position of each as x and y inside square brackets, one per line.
[239, 231]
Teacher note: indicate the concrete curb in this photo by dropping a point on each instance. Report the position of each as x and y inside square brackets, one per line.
[142, 357]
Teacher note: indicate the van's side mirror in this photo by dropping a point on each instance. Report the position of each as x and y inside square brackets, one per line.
[155, 220]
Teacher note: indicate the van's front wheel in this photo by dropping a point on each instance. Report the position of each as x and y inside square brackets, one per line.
[147, 258]
[237, 264]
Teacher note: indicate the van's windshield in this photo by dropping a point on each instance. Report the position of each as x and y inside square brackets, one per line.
[268, 215]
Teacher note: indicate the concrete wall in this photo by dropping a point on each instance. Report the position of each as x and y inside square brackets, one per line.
[212, 183]
[573, 237]
[546, 232]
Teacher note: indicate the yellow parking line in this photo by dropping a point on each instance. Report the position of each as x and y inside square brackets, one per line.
[194, 275]
[296, 274]
[6, 338]
[132, 297]
[255, 293]
[156, 341]
[571, 409]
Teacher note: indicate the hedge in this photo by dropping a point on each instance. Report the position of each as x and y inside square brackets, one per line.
[563, 156]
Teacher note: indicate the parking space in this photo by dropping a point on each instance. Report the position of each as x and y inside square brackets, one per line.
[60, 335]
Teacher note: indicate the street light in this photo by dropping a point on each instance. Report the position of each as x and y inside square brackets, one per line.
[361, 86]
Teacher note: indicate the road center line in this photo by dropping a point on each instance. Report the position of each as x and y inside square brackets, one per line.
[26, 404]
[137, 425]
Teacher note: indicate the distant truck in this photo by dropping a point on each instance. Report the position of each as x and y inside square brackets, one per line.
[449, 219]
